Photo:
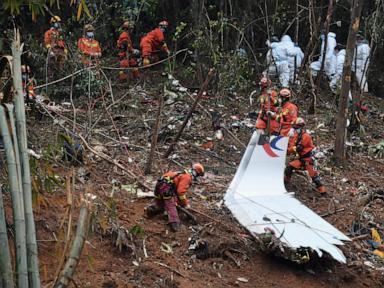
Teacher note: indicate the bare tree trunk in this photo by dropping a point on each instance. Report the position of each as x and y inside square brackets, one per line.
[341, 121]
[77, 247]
[199, 95]
[33, 261]
[17, 204]
[6, 273]
[327, 24]
[155, 133]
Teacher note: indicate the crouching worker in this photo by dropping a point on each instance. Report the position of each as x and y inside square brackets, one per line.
[301, 144]
[170, 191]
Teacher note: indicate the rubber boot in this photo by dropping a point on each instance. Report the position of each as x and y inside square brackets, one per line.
[319, 185]
[174, 226]
[123, 76]
[135, 73]
[287, 174]
[150, 211]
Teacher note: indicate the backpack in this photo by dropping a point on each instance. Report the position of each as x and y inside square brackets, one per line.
[166, 187]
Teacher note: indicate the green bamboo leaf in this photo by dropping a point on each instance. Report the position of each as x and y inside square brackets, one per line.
[79, 10]
[86, 10]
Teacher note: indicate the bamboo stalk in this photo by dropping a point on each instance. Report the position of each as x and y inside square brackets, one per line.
[76, 249]
[33, 261]
[17, 204]
[6, 273]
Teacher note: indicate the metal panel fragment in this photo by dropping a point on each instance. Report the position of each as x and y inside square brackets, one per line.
[259, 201]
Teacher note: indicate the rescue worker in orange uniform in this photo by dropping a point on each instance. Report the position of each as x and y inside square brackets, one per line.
[127, 54]
[153, 44]
[268, 102]
[54, 42]
[28, 82]
[301, 144]
[171, 191]
[89, 47]
[287, 114]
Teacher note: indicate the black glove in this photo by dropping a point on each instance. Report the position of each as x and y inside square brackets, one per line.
[299, 148]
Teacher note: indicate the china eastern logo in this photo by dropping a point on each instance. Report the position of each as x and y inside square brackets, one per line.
[270, 147]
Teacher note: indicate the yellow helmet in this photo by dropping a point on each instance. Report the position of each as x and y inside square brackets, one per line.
[55, 19]
[128, 24]
[89, 28]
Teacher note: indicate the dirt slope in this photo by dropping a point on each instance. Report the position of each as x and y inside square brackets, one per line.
[230, 258]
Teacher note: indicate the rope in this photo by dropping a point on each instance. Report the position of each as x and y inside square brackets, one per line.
[147, 66]
[111, 68]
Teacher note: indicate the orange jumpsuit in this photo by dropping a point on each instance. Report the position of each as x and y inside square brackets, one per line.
[262, 119]
[168, 199]
[54, 40]
[301, 144]
[287, 116]
[124, 44]
[152, 43]
[89, 48]
[30, 88]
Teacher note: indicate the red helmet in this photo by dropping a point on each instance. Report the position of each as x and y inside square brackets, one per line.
[128, 24]
[199, 169]
[265, 82]
[163, 24]
[300, 122]
[285, 93]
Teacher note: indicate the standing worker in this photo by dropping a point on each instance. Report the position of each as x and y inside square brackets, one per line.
[268, 102]
[330, 59]
[282, 51]
[171, 190]
[127, 54]
[301, 144]
[89, 48]
[361, 62]
[54, 42]
[28, 83]
[287, 114]
[335, 83]
[153, 44]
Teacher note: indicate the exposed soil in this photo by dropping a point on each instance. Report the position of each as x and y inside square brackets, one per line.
[229, 256]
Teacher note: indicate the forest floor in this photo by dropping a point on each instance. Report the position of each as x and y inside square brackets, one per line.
[231, 258]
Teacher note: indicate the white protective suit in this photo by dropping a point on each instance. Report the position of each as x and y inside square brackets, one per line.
[336, 78]
[360, 64]
[330, 59]
[299, 56]
[281, 52]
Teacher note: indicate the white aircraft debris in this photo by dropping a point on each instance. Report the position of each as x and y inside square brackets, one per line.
[259, 201]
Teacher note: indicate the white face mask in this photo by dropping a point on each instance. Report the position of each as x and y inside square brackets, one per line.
[90, 35]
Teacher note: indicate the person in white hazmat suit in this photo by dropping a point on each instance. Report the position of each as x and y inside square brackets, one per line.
[335, 83]
[298, 56]
[330, 59]
[361, 62]
[281, 52]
